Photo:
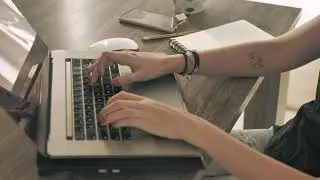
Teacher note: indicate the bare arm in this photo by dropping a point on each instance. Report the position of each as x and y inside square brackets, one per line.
[130, 110]
[286, 52]
[283, 53]
[237, 158]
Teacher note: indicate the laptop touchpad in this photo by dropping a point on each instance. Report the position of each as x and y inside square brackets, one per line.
[163, 89]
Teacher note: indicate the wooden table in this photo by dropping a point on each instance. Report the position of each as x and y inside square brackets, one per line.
[69, 24]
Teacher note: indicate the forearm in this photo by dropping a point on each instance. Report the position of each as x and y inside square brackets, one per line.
[259, 58]
[249, 59]
[237, 158]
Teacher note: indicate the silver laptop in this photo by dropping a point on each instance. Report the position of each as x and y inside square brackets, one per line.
[74, 106]
[68, 106]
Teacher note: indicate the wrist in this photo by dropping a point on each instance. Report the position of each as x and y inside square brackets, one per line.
[194, 132]
[174, 63]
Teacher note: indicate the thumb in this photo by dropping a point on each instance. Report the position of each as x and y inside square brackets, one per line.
[126, 79]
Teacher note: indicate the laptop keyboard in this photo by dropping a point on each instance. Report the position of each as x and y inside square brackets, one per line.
[89, 100]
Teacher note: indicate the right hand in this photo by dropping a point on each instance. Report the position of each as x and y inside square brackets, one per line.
[129, 110]
[144, 66]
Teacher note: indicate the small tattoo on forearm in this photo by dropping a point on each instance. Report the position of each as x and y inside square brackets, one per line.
[255, 60]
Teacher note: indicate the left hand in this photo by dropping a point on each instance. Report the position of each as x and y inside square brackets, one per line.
[129, 110]
[144, 65]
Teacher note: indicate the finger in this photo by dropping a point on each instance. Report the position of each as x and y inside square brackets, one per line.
[94, 76]
[117, 106]
[127, 78]
[129, 122]
[122, 58]
[89, 68]
[124, 96]
[96, 71]
[92, 66]
[99, 63]
[102, 67]
[124, 79]
[115, 116]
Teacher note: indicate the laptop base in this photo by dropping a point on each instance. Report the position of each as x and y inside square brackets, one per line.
[111, 166]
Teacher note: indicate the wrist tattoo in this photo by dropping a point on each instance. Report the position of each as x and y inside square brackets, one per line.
[255, 60]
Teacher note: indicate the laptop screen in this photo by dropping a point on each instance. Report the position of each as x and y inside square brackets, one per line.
[18, 58]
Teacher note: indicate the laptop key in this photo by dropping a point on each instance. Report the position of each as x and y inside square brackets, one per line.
[86, 61]
[89, 107]
[85, 75]
[108, 92]
[91, 133]
[76, 76]
[103, 133]
[87, 90]
[78, 117]
[77, 68]
[106, 80]
[98, 94]
[114, 133]
[88, 101]
[77, 93]
[78, 123]
[99, 106]
[79, 136]
[89, 119]
[86, 83]
[99, 100]
[126, 133]
[77, 87]
[76, 62]
[97, 88]
[79, 128]
[89, 125]
[77, 100]
[78, 104]
[107, 87]
[77, 110]
[114, 67]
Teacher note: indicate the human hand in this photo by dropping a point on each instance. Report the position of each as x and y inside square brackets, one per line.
[129, 110]
[144, 65]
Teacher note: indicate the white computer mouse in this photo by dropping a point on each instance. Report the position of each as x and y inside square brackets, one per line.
[115, 44]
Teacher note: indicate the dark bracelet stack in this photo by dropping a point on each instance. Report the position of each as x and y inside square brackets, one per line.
[196, 59]
[185, 69]
[191, 58]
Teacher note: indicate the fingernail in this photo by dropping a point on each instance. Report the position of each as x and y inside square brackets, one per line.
[115, 81]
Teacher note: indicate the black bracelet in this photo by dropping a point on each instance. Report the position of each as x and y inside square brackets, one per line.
[194, 67]
[185, 64]
[193, 63]
[196, 59]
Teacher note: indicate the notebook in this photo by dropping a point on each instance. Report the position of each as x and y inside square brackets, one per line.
[229, 34]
